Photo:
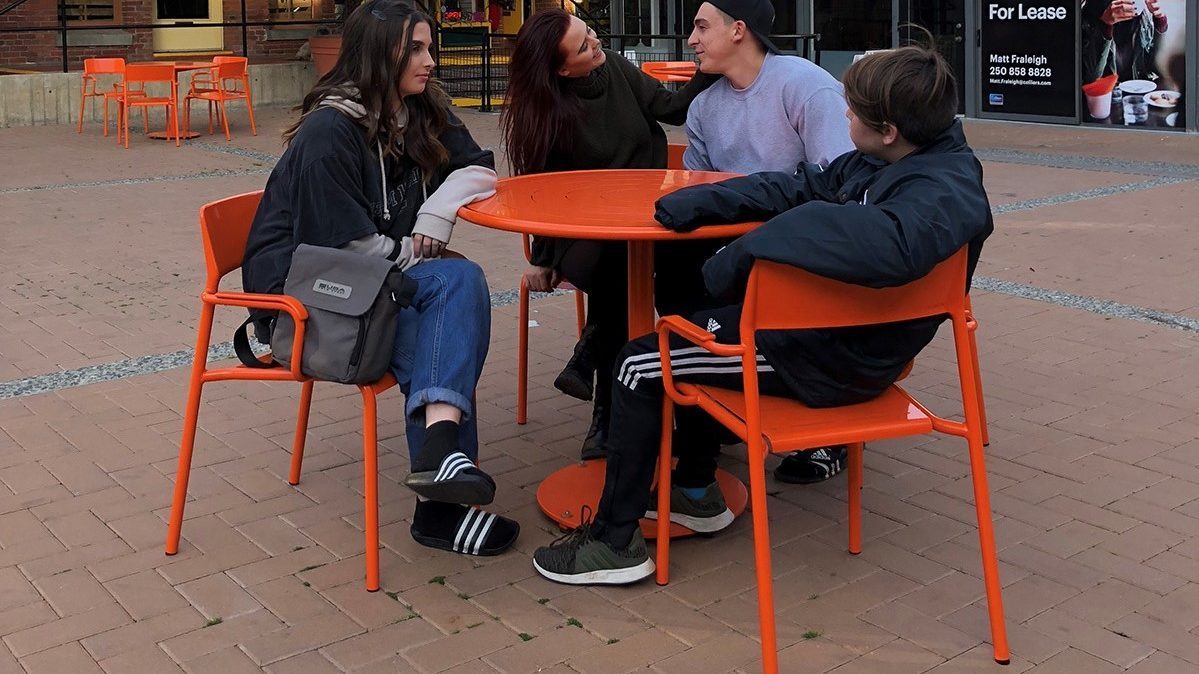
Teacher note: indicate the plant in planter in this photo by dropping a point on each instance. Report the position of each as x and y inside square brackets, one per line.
[326, 45]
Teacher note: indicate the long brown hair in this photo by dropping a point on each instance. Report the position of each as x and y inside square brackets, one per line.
[541, 113]
[368, 70]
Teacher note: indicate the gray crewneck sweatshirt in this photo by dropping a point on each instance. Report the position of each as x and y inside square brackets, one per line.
[793, 112]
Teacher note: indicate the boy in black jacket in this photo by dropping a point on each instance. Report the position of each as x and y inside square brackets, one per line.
[885, 215]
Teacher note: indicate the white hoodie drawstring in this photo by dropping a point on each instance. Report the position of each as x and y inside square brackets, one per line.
[383, 178]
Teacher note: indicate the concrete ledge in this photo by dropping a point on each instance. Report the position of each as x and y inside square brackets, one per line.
[40, 99]
[101, 37]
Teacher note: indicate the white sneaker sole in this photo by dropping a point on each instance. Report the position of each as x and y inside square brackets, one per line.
[702, 525]
[625, 576]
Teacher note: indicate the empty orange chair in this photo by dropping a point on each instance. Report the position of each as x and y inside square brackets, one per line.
[88, 88]
[224, 227]
[229, 80]
[785, 297]
[134, 95]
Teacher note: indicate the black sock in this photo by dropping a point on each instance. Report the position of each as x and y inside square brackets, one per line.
[440, 440]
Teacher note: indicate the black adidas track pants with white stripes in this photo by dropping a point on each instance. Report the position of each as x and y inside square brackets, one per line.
[634, 431]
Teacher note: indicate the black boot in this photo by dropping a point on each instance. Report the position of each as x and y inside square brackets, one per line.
[595, 445]
[577, 378]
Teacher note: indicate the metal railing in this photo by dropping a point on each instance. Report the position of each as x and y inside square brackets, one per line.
[479, 70]
[471, 65]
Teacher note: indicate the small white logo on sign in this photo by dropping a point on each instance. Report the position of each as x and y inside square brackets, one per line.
[713, 326]
[332, 289]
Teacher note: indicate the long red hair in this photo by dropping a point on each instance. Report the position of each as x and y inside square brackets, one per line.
[541, 113]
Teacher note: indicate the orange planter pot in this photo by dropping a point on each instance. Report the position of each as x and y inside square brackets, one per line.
[325, 49]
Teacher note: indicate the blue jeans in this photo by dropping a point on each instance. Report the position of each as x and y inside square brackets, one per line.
[440, 345]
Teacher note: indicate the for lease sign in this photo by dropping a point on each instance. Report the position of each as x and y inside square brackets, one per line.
[1028, 54]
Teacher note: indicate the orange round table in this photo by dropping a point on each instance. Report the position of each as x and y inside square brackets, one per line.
[613, 205]
[180, 67]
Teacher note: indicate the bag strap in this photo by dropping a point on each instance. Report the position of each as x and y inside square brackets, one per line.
[241, 346]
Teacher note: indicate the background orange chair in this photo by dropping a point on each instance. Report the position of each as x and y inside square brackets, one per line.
[224, 227]
[670, 71]
[229, 80]
[89, 88]
[784, 297]
[134, 95]
[674, 160]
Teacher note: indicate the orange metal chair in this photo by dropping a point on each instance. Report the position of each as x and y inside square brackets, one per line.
[522, 348]
[784, 297]
[224, 227]
[229, 80]
[91, 69]
[674, 160]
[134, 95]
[670, 71]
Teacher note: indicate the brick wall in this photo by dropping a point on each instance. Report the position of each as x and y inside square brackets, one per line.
[40, 51]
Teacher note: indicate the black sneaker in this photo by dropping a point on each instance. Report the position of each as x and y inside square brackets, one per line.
[706, 515]
[578, 558]
[814, 465]
[456, 480]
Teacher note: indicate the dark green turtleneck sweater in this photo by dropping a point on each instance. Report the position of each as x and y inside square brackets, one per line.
[619, 127]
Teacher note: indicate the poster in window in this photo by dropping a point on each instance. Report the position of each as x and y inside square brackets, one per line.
[1133, 60]
[1028, 57]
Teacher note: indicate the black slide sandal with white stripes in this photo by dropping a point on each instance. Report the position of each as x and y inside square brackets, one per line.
[456, 480]
[462, 529]
[812, 466]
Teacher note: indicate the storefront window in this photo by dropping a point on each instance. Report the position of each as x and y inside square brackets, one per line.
[849, 27]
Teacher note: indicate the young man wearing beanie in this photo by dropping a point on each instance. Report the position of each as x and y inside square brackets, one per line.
[770, 112]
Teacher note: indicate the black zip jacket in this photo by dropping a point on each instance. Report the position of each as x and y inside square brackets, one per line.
[862, 221]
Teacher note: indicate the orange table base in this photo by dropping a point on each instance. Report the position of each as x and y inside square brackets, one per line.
[563, 494]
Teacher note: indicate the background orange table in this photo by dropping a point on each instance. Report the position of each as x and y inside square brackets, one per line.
[180, 66]
[670, 71]
[608, 205]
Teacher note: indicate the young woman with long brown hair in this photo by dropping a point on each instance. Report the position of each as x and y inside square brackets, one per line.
[377, 164]
[572, 105]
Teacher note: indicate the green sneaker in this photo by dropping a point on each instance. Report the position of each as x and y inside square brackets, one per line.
[578, 558]
[706, 515]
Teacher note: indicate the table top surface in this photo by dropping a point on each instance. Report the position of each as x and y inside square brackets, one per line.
[613, 204]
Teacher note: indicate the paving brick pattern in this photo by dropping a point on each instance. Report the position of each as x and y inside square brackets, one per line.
[1094, 460]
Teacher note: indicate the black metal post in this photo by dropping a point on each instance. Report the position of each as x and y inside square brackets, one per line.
[485, 94]
[245, 49]
[62, 32]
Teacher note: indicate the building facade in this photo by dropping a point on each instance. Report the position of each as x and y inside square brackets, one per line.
[98, 28]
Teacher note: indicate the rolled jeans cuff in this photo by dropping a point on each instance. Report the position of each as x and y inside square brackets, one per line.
[434, 394]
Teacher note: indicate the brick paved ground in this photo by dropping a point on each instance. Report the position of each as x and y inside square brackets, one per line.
[1090, 325]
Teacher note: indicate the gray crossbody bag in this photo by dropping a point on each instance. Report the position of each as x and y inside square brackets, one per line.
[353, 301]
